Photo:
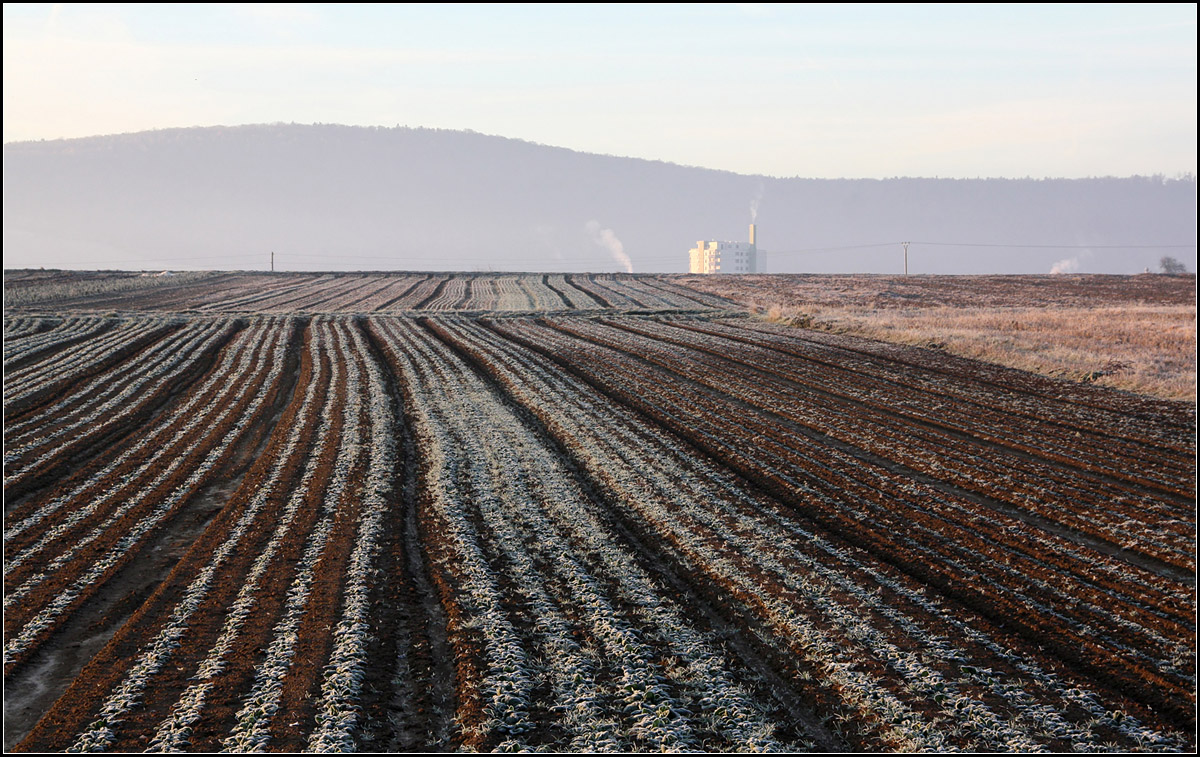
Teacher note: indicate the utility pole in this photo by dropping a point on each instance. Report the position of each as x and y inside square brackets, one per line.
[906, 258]
[273, 261]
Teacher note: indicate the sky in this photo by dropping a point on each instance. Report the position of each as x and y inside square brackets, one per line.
[816, 91]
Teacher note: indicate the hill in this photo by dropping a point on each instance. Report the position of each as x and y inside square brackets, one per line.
[326, 197]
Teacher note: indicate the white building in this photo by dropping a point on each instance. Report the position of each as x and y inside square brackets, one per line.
[725, 257]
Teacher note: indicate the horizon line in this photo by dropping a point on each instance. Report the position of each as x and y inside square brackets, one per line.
[1158, 175]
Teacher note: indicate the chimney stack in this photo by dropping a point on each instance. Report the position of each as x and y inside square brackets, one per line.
[752, 244]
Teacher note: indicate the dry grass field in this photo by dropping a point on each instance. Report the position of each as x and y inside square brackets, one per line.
[1136, 333]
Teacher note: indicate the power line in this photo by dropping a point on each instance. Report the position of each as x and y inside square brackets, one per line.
[177, 260]
[814, 250]
[1065, 246]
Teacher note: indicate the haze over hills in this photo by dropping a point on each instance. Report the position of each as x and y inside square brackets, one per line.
[326, 197]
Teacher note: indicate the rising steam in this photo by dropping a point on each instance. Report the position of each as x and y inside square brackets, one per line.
[754, 203]
[1067, 265]
[1070, 265]
[607, 240]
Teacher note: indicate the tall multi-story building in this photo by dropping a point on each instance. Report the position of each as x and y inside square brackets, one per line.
[725, 257]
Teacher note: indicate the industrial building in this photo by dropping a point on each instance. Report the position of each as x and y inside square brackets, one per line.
[725, 257]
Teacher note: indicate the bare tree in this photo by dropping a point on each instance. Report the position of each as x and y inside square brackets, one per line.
[1169, 264]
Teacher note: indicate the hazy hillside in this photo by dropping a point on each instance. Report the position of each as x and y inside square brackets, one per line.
[346, 198]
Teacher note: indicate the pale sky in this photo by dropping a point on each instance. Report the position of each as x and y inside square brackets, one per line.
[818, 91]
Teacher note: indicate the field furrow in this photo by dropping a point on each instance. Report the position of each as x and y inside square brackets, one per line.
[53, 564]
[584, 433]
[935, 537]
[586, 512]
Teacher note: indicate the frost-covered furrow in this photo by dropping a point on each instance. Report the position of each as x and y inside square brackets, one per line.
[610, 289]
[368, 298]
[174, 732]
[76, 581]
[575, 294]
[79, 565]
[660, 476]
[396, 289]
[172, 639]
[97, 290]
[21, 327]
[461, 490]
[60, 369]
[531, 509]
[1041, 549]
[106, 401]
[604, 297]
[256, 294]
[97, 391]
[703, 299]
[415, 297]
[457, 555]
[946, 395]
[1093, 507]
[673, 498]
[26, 335]
[109, 482]
[236, 289]
[834, 493]
[567, 531]
[557, 287]
[293, 301]
[231, 389]
[483, 293]
[1074, 439]
[624, 531]
[67, 330]
[252, 731]
[307, 298]
[941, 513]
[507, 293]
[1071, 405]
[338, 708]
[608, 458]
[541, 296]
[185, 296]
[452, 294]
[650, 296]
[328, 296]
[334, 297]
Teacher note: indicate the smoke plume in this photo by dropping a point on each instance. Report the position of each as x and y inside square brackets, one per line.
[1067, 265]
[607, 240]
[1070, 265]
[754, 203]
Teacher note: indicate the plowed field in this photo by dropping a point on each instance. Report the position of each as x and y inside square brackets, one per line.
[571, 513]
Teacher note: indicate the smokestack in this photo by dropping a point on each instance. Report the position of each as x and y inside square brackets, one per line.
[752, 244]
